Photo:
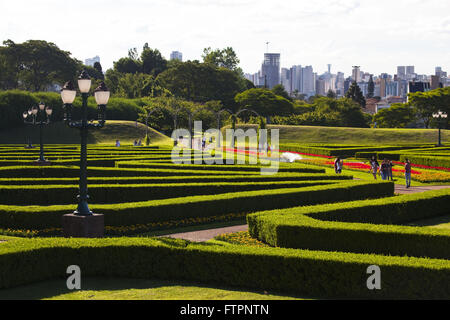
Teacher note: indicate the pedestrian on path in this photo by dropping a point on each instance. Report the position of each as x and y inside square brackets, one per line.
[384, 169]
[408, 172]
[338, 164]
[374, 167]
[390, 165]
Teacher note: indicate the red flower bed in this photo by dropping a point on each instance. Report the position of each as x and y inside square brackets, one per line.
[423, 166]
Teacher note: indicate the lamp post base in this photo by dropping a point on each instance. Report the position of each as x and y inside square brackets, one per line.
[76, 226]
[42, 163]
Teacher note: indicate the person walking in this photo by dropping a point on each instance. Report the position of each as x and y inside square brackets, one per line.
[390, 177]
[338, 164]
[408, 172]
[384, 169]
[374, 167]
[117, 143]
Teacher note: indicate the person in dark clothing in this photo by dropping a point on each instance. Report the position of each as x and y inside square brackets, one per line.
[408, 173]
[384, 169]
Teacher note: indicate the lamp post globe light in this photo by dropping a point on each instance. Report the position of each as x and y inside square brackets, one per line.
[439, 116]
[39, 116]
[83, 222]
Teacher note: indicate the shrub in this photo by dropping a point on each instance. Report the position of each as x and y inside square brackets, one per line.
[302, 272]
[360, 226]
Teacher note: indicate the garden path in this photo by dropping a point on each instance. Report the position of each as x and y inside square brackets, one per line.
[205, 235]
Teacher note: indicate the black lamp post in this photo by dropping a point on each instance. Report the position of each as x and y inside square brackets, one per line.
[73, 225]
[39, 116]
[439, 116]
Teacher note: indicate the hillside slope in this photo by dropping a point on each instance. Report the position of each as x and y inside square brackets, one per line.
[125, 131]
[360, 136]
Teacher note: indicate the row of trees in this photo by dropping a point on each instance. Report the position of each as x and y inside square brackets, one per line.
[216, 82]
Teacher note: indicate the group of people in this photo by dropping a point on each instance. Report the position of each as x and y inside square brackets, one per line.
[385, 169]
[136, 143]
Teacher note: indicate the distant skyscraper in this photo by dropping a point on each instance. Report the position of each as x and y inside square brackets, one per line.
[270, 69]
[91, 61]
[401, 72]
[176, 55]
[308, 81]
[356, 74]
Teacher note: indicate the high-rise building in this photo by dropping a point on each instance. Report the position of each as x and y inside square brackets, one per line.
[308, 83]
[270, 69]
[401, 72]
[176, 55]
[286, 79]
[91, 61]
[356, 74]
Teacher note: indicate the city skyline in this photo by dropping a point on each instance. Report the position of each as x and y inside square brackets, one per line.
[341, 33]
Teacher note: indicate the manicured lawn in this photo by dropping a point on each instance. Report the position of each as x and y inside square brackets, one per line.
[133, 289]
[59, 133]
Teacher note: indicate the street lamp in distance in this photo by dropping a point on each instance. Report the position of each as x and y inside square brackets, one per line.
[39, 116]
[439, 116]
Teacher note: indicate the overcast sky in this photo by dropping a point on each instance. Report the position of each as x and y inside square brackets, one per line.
[377, 35]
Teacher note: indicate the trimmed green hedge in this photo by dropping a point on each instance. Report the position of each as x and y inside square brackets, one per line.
[356, 226]
[46, 195]
[72, 171]
[134, 213]
[301, 272]
[299, 168]
[430, 161]
[177, 179]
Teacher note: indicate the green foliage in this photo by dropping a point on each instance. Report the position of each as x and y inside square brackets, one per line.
[134, 213]
[302, 272]
[371, 88]
[427, 103]
[360, 226]
[399, 115]
[326, 111]
[355, 93]
[35, 64]
[279, 90]
[202, 82]
[225, 58]
[264, 101]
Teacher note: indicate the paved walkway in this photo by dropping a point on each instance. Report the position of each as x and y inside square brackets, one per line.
[401, 189]
[205, 235]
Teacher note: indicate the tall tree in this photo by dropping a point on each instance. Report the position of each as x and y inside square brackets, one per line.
[202, 82]
[37, 64]
[371, 88]
[98, 67]
[280, 91]
[152, 61]
[354, 93]
[225, 58]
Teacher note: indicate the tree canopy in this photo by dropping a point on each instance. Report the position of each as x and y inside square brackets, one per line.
[34, 65]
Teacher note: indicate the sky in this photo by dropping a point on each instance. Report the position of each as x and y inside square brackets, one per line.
[376, 35]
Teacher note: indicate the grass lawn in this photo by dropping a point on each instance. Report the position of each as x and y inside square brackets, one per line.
[133, 289]
[125, 131]
[354, 136]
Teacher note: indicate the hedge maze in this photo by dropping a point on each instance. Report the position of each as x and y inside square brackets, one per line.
[323, 230]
